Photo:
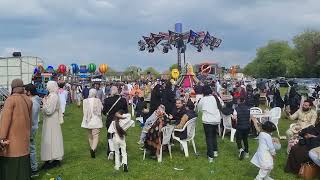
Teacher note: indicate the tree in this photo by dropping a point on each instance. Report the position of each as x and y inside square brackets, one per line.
[307, 45]
[111, 72]
[152, 71]
[250, 69]
[134, 72]
[294, 64]
[269, 61]
[173, 66]
[279, 59]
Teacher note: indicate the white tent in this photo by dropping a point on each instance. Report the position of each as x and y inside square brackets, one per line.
[17, 67]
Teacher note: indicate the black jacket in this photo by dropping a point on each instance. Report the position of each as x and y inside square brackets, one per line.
[120, 105]
[177, 114]
[155, 100]
[243, 117]
[250, 100]
[168, 99]
[311, 142]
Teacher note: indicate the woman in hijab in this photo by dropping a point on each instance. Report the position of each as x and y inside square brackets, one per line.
[168, 97]
[277, 99]
[51, 140]
[15, 127]
[155, 98]
[111, 105]
[293, 100]
[92, 119]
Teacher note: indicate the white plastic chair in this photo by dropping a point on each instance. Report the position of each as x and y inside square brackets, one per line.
[227, 124]
[317, 105]
[166, 136]
[191, 131]
[255, 110]
[275, 114]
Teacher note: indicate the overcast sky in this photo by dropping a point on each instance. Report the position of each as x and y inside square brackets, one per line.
[107, 31]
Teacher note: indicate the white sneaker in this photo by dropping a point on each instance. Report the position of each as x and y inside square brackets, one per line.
[210, 160]
[116, 168]
[247, 156]
[215, 153]
[110, 156]
[268, 178]
[242, 154]
[140, 142]
[240, 151]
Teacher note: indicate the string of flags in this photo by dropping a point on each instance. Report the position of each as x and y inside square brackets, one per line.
[170, 39]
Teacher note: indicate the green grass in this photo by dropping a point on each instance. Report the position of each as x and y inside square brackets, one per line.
[77, 163]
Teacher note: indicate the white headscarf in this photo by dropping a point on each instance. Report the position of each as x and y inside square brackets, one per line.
[92, 93]
[52, 87]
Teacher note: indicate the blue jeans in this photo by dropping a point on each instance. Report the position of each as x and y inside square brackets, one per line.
[314, 156]
[33, 157]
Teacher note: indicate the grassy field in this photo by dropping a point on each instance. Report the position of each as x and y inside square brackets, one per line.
[77, 164]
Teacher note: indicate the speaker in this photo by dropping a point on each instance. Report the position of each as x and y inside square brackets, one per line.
[16, 54]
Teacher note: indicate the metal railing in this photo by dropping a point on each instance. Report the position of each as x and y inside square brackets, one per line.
[4, 94]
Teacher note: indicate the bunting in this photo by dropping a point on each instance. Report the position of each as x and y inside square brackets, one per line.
[199, 40]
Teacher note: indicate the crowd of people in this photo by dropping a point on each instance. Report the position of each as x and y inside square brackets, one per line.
[157, 104]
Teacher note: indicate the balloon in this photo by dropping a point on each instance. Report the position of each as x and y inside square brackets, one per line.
[67, 69]
[49, 69]
[103, 68]
[92, 68]
[62, 68]
[175, 73]
[35, 71]
[74, 68]
[40, 69]
[83, 68]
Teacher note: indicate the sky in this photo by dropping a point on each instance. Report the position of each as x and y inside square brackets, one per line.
[107, 31]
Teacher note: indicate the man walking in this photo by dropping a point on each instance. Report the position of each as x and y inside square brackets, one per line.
[36, 101]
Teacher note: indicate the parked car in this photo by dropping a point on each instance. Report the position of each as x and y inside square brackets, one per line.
[283, 83]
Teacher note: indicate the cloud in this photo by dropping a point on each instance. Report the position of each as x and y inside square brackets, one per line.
[105, 31]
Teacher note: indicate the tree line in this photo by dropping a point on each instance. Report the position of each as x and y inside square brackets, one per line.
[135, 72]
[280, 59]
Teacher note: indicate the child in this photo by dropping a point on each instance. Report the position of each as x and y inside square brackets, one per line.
[118, 129]
[266, 152]
[241, 115]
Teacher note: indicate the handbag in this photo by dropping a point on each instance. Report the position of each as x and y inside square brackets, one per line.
[113, 106]
[309, 171]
